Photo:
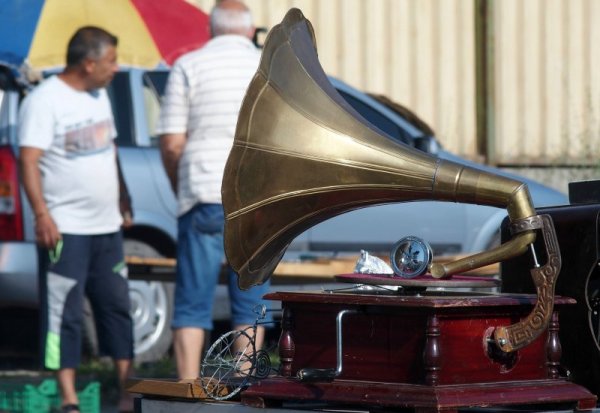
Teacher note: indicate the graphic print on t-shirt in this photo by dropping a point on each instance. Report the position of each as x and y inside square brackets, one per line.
[88, 139]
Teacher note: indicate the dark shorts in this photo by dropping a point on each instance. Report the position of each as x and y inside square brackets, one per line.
[92, 266]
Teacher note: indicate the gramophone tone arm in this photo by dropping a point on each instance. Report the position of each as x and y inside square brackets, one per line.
[459, 183]
[512, 248]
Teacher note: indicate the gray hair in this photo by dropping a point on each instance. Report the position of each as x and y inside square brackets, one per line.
[88, 42]
[230, 20]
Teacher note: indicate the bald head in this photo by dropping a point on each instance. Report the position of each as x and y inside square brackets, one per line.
[231, 17]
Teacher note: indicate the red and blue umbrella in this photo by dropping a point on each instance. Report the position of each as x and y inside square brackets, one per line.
[35, 33]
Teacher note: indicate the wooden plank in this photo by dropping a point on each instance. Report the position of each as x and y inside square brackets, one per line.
[287, 272]
[184, 389]
[187, 389]
[312, 270]
[152, 261]
[151, 269]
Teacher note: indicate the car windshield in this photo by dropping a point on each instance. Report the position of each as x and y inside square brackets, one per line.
[119, 92]
[9, 96]
[3, 124]
[120, 95]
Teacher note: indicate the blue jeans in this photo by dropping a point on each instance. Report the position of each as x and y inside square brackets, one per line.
[200, 256]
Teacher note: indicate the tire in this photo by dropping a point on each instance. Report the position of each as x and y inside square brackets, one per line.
[151, 309]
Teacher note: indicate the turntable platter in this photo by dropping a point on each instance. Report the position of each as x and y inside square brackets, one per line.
[424, 281]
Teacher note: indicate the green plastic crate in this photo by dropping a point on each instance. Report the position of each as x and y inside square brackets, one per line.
[17, 397]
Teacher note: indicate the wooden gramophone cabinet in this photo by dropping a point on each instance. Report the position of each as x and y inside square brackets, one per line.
[428, 351]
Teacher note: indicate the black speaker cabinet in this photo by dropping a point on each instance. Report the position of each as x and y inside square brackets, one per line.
[577, 230]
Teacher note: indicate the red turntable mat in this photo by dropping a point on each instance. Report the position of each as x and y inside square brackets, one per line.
[426, 280]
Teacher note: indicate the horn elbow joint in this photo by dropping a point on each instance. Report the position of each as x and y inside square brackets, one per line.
[520, 204]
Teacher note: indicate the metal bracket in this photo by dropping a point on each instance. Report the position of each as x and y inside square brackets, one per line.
[524, 332]
[526, 224]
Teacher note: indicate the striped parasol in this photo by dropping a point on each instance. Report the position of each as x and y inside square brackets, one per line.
[35, 33]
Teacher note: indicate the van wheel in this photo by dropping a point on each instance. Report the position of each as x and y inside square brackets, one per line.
[151, 309]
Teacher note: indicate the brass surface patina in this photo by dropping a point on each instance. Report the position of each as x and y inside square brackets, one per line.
[302, 155]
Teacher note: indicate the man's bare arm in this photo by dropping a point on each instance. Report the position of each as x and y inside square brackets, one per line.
[171, 148]
[124, 198]
[47, 234]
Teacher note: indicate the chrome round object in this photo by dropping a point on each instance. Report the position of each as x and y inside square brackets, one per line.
[410, 257]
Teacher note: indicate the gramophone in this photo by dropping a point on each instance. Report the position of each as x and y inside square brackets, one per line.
[302, 155]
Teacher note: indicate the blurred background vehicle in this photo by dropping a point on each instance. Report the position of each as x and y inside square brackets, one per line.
[450, 228]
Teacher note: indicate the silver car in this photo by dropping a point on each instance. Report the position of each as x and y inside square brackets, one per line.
[450, 228]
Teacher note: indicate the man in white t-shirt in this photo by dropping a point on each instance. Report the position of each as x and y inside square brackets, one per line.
[197, 126]
[70, 173]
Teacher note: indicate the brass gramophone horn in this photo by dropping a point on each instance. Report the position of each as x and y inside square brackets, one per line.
[302, 155]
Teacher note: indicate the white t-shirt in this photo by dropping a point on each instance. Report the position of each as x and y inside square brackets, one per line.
[75, 130]
[203, 98]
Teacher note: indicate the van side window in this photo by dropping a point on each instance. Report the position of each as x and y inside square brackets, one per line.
[119, 92]
[10, 94]
[154, 84]
[3, 119]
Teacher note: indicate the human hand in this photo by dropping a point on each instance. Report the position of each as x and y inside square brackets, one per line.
[127, 219]
[126, 211]
[46, 232]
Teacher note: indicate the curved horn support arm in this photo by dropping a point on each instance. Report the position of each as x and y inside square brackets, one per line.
[519, 335]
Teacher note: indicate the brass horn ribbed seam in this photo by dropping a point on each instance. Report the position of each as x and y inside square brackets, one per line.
[341, 162]
[436, 170]
[325, 190]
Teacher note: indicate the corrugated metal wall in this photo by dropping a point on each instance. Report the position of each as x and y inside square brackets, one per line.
[544, 93]
[418, 52]
[547, 81]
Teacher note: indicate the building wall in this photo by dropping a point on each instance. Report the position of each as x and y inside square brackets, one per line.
[418, 52]
[547, 82]
[542, 85]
